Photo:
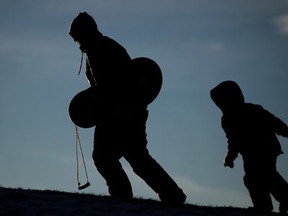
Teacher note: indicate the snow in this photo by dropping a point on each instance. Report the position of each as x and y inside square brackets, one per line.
[17, 201]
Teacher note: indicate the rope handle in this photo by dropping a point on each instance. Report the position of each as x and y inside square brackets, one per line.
[78, 145]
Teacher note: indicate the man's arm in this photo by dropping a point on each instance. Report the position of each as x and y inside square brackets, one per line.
[89, 74]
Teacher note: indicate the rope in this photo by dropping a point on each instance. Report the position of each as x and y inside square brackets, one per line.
[78, 145]
[81, 62]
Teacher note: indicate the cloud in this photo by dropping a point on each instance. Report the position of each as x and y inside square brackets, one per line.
[282, 23]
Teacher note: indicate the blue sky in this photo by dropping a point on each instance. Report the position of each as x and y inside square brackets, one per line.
[197, 44]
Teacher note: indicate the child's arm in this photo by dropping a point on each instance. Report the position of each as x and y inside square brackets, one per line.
[232, 154]
[228, 162]
[278, 125]
[233, 150]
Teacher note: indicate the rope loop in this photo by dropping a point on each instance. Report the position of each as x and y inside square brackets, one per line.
[79, 146]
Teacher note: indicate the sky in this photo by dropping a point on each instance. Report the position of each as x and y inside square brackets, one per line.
[196, 43]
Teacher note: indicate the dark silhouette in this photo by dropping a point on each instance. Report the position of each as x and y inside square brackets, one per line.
[120, 130]
[251, 131]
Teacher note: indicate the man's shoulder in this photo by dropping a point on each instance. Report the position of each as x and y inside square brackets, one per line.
[253, 107]
[112, 44]
[108, 40]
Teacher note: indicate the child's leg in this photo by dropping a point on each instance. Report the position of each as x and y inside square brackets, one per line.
[259, 193]
[277, 185]
[279, 190]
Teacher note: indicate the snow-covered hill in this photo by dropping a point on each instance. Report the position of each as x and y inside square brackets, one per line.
[37, 202]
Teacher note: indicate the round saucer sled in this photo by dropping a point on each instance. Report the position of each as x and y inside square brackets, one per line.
[145, 81]
[84, 108]
[147, 78]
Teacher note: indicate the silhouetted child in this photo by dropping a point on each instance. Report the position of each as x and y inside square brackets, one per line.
[121, 129]
[251, 131]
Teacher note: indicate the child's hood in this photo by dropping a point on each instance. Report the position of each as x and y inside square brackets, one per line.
[227, 95]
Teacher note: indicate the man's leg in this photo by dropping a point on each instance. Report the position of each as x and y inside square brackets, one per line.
[106, 159]
[155, 176]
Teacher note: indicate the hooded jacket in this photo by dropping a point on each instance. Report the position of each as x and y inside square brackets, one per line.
[250, 129]
[106, 67]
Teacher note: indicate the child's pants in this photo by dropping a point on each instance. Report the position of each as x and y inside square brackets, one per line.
[262, 179]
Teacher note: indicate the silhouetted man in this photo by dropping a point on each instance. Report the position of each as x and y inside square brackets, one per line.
[251, 131]
[121, 130]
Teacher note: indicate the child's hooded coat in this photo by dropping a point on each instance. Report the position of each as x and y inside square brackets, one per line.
[250, 129]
